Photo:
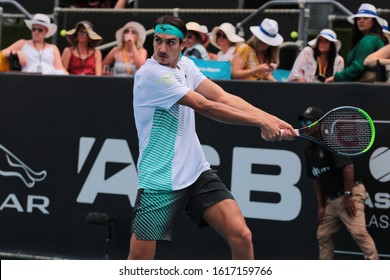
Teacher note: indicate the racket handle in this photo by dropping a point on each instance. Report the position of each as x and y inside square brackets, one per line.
[281, 134]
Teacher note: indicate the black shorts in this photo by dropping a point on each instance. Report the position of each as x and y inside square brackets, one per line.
[156, 212]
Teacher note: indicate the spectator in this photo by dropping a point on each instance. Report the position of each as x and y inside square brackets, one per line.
[193, 41]
[82, 57]
[224, 38]
[367, 37]
[259, 56]
[35, 55]
[129, 54]
[319, 60]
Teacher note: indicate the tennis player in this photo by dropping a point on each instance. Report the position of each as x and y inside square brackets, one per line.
[174, 175]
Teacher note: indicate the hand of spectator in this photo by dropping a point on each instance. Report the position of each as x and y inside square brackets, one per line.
[329, 80]
[22, 58]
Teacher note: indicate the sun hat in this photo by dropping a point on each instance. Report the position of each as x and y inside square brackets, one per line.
[95, 39]
[267, 32]
[366, 10]
[44, 20]
[311, 113]
[194, 26]
[230, 32]
[328, 34]
[135, 25]
[385, 26]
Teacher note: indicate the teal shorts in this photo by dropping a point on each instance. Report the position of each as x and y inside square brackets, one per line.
[156, 212]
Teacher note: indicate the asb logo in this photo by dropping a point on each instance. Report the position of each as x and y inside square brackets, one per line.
[113, 171]
[12, 166]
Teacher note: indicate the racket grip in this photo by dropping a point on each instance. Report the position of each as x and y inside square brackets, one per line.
[281, 134]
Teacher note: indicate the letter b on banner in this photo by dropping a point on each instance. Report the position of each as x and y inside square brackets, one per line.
[244, 182]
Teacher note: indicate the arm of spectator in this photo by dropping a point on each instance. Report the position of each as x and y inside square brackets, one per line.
[17, 46]
[383, 55]
[66, 57]
[98, 62]
[120, 4]
[298, 69]
[57, 60]
[110, 57]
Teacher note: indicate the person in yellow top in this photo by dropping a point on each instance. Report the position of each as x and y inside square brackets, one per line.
[259, 56]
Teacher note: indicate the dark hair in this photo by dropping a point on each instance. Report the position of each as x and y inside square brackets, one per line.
[332, 53]
[175, 21]
[376, 29]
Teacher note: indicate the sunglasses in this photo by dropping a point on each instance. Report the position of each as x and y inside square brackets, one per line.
[306, 122]
[134, 32]
[221, 35]
[40, 30]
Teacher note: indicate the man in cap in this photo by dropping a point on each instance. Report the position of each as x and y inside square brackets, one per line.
[174, 175]
[340, 194]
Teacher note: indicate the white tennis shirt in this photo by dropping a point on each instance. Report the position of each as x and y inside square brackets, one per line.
[170, 154]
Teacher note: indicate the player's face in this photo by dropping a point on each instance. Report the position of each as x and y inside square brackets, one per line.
[167, 49]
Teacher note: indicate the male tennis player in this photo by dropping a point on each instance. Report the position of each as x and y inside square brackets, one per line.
[340, 194]
[174, 175]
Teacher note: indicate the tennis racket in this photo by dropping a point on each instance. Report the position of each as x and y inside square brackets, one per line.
[344, 130]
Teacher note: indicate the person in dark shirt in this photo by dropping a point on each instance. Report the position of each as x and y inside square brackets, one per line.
[340, 194]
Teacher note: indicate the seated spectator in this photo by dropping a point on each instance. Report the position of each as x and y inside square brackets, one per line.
[383, 57]
[319, 60]
[36, 55]
[224, 38]
[82, 57]
[366, 38]
[129, 54]
[259, 56]
[193, 41]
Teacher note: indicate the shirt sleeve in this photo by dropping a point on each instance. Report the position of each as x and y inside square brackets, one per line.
[355, 68]
[298, 69]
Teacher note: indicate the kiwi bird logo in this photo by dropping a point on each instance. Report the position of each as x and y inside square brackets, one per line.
[12, 166]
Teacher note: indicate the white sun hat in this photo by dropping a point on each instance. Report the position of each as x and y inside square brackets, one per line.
[385, 26]
[366, 10]
[230, 32]
[267, 32]
[328, 34]
[43, 20]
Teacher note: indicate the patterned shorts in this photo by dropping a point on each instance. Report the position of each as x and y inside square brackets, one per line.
[156, 212]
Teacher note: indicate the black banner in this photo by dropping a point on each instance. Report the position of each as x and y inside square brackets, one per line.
[68, 148]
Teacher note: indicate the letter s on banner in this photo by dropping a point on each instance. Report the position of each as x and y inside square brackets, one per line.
[244, 181]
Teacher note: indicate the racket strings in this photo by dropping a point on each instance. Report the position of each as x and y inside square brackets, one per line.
[346, 131]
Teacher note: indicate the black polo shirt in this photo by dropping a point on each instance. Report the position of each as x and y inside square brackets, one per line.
[326, 167]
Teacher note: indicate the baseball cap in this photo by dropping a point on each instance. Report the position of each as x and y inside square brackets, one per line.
[311, 113]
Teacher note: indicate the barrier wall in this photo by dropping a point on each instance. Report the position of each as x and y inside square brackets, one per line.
[68, 147]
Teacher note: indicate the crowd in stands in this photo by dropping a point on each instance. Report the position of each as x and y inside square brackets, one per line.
[254, 59]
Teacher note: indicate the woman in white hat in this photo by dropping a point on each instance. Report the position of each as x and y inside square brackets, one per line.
[224, 37]
[36, 55]
[259, 56]
[129, 54]
[382, 55]
[366, 38]
[82, 57]
[194, 41]
[319, 60]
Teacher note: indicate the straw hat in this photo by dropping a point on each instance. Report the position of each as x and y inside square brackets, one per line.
[267, 32]
[329, 35]
[230, 32]
[44, 20]
[365, 10]
[194, 26]
[95, 39]
[134, 25]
